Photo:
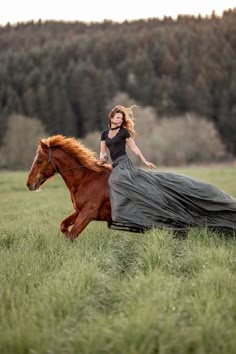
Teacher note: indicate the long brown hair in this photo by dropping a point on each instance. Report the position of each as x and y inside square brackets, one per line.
[128, 118]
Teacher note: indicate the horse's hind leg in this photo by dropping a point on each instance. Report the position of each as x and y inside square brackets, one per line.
[66, 223]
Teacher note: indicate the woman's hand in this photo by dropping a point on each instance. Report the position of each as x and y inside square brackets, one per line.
[103, 159]
[149, 164]
[133, 147]
[103, 152]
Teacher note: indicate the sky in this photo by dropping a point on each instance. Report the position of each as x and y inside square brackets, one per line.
[14, 11]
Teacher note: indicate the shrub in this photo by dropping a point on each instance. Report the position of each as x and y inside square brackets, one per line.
[20, 142]
[186, 139]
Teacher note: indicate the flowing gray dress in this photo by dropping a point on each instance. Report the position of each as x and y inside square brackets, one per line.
[142, 200]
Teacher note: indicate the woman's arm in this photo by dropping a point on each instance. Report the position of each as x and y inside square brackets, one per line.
[103, 151]
[133, 147]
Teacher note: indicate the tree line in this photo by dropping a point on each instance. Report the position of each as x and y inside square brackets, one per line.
[65, 74]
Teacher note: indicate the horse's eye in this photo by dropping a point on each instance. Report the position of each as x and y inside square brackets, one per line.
[39, 162]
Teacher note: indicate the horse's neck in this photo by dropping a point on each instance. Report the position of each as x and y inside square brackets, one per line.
[74, 178]
[70, 169]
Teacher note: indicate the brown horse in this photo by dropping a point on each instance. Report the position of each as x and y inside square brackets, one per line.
[85, 177]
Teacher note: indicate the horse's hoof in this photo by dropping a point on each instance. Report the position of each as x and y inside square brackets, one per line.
[70, 237]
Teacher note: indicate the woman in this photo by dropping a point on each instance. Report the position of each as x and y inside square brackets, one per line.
[141, 200]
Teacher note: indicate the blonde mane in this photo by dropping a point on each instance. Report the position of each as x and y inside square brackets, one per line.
[76, 149]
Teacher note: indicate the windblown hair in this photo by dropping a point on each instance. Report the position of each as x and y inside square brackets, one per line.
[76, 149]
[128, 118]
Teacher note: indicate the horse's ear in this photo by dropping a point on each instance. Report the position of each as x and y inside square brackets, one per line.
[43, 145]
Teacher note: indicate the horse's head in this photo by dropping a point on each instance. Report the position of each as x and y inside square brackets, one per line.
[42, 167]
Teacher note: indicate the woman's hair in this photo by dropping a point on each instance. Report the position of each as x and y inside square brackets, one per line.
[128, 118]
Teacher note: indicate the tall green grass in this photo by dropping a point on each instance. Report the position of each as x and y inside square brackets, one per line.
[111, 291]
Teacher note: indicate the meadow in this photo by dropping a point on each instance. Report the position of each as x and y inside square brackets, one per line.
[111, 291]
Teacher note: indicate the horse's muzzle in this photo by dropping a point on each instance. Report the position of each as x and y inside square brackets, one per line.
[30, 187]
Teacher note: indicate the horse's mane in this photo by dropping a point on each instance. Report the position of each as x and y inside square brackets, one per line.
[75, 148]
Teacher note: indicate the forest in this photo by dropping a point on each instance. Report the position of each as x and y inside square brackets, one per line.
[66, 74]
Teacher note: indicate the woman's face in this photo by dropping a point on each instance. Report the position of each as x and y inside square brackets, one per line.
[117, 119]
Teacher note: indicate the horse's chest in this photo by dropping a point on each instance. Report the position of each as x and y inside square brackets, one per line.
[78, 201]
[75, 205]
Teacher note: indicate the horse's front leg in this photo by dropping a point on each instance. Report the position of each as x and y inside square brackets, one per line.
[69, 221]
[82, 220]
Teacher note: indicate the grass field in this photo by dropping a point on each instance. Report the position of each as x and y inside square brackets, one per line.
[111, 291]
